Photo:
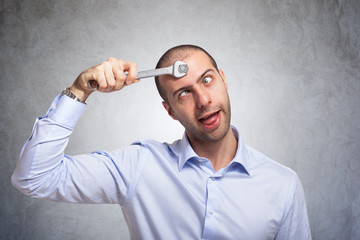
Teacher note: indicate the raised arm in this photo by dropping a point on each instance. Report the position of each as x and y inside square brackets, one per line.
[44, 171]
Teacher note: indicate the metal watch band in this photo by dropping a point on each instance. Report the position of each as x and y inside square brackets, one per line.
[68, 93]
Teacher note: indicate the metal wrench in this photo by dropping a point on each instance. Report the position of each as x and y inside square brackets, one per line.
[178, 70]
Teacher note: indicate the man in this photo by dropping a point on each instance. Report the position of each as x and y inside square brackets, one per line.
[208, 185]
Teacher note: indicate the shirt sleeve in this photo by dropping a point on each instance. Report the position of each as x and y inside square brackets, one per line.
[295, 223]
[44, 171]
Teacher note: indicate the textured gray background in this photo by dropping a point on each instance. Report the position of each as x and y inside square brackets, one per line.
[293, 68]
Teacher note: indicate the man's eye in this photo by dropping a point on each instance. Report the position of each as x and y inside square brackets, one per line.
[183, 93]
[207, 80]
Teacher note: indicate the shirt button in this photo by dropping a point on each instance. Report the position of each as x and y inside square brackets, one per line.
[213, 178]
[211, 211]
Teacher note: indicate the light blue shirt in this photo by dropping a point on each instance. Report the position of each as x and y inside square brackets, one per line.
[166, 191]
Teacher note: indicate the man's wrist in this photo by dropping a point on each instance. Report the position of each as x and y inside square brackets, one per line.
[80, 93]
[69, 93]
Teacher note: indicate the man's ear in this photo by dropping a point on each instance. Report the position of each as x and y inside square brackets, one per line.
[224, 78]
[169, 110]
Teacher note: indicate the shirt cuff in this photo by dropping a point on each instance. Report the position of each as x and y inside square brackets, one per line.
[66, 111]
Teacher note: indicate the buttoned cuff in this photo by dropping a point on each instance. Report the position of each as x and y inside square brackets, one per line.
[66, 111]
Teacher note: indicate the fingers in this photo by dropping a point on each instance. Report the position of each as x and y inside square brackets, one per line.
[132, 72]
[119, 74]
[110, 75]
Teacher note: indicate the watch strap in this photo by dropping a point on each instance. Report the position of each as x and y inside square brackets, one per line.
[70, 94]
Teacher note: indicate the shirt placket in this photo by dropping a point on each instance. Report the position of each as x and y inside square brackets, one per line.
[211, 215]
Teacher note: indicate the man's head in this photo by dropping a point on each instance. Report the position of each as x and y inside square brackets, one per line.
[199, 100]
[178, 53]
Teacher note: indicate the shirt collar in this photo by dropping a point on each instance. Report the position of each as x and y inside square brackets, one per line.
[186, 152]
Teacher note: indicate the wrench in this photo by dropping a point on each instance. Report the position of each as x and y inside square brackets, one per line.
[178, 70]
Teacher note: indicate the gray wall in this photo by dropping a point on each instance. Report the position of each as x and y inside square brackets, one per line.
[293, 68]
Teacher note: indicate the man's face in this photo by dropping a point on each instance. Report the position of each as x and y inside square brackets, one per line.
[199, 100]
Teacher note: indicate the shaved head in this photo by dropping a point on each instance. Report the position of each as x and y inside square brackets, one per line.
[178, 53]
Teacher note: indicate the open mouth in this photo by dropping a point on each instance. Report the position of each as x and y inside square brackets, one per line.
[211, 120]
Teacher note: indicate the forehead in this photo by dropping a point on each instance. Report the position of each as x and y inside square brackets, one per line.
[197, 62]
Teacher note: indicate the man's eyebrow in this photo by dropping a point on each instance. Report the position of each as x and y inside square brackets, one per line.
[198, 80]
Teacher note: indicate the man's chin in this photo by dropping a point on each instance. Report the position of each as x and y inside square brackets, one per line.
[213, 135]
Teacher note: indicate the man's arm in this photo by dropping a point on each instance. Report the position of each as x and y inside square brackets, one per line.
[44, 171]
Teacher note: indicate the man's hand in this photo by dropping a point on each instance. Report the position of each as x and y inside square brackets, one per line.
[109, 76]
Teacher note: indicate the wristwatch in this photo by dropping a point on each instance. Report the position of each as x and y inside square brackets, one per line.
[68, 93]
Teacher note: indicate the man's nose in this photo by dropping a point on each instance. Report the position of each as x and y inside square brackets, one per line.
[203, 98]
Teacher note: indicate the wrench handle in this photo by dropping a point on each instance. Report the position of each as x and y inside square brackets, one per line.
[142, 74]
[153, 73]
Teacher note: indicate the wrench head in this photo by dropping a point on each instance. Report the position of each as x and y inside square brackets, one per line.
[179, 69]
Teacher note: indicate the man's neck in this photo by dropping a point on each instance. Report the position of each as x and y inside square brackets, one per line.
[220, 153]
